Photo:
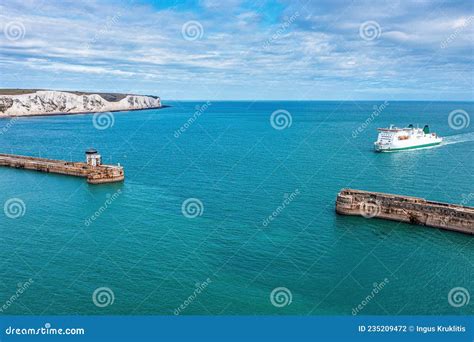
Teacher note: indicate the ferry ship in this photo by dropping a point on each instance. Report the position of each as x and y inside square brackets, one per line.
[397, 139]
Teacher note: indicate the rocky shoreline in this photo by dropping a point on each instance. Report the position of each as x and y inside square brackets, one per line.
[19, 102]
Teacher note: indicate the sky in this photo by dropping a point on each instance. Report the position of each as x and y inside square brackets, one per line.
[238, 50]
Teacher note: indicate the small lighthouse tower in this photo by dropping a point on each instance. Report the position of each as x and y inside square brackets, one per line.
[93, 158]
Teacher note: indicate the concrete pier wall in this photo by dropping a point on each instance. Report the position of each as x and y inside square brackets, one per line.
[94, 174]
[407, 209]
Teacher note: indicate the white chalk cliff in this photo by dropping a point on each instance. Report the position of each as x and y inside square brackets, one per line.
[44, 102]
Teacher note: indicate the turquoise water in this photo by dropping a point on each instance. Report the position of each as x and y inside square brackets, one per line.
[241, 169]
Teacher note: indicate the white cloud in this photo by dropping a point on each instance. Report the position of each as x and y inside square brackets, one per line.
[44, 64]
[142, 43]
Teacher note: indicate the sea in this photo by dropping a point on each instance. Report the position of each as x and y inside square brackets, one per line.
[228, 208]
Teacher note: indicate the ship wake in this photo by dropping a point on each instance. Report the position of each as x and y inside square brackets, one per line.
[458, 138]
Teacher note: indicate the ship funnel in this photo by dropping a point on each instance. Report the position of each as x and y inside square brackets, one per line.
[410, 126]
[426, 129]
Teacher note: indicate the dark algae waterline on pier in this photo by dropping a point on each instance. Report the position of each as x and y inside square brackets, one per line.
[406, 209]
[133, 238]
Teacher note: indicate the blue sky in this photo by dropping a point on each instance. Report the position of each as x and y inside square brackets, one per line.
[210, 49]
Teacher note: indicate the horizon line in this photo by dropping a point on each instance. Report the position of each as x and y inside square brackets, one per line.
[312, 100]
[239, 100]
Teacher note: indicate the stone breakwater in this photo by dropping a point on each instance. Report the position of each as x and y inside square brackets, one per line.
[48, 102]
[407, 209]
[95, 174]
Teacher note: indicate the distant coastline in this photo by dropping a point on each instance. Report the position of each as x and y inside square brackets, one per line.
[36, 102]
[81, 113]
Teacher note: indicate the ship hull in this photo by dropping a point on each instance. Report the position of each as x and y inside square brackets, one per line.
[397, 149]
